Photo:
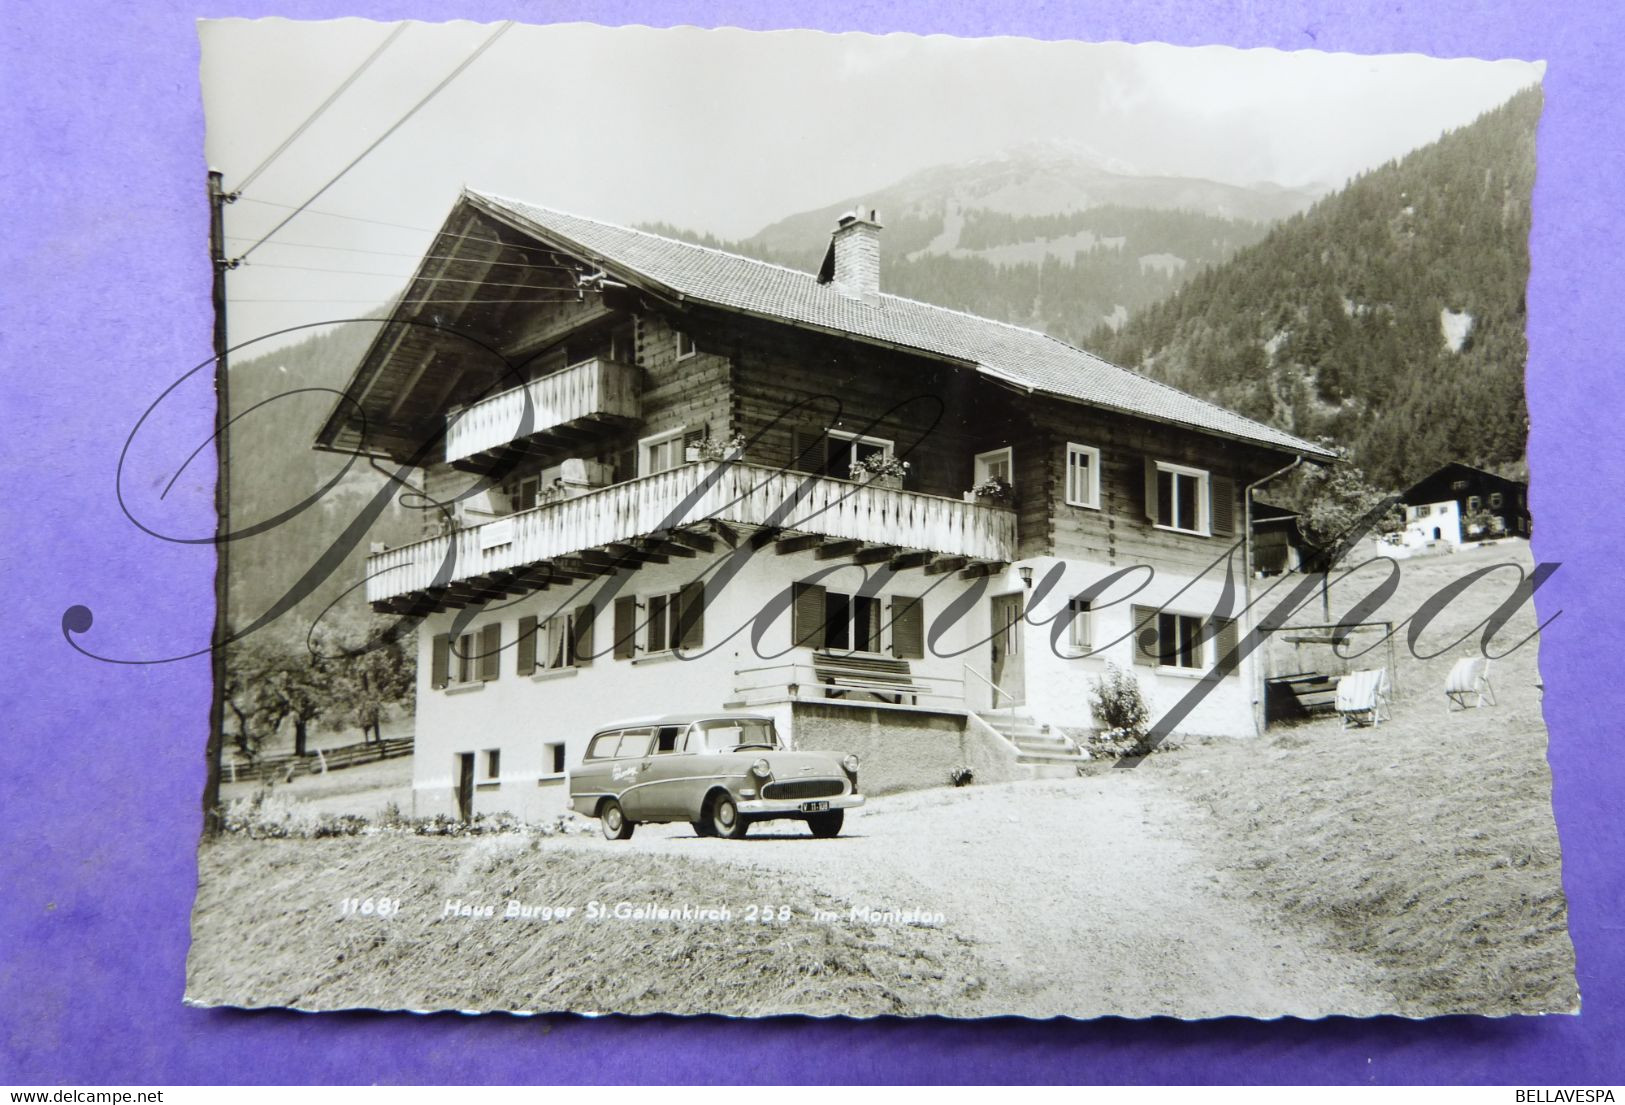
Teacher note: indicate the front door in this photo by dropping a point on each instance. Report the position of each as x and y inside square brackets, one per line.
[1009, 674]
[465, 785]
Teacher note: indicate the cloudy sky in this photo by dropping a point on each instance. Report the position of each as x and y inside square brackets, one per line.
[727, 131]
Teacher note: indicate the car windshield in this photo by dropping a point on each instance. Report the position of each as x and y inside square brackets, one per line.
[727, 734]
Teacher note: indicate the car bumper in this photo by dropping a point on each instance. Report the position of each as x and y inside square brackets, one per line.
[758, 806]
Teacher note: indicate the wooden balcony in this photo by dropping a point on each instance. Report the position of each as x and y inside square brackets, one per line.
[675, 513]
[564, 408]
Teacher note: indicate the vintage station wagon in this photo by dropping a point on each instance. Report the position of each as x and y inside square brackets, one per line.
[720, 772]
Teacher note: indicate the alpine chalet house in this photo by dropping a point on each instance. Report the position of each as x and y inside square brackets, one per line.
[665, 478]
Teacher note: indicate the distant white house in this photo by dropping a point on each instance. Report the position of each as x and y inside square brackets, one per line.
[1431, 525]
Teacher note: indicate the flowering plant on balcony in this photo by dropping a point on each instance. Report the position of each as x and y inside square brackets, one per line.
[995, 489]
[880, 466]
[711, 448]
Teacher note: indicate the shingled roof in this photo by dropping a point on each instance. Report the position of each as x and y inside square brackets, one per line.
[1023, 357]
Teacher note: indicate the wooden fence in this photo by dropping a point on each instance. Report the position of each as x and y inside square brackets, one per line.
[288, 766]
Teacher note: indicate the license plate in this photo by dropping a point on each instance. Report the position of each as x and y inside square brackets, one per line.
[814, 807]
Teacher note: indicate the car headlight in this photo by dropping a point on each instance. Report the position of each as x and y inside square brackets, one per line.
[850, 763]
[761, 769]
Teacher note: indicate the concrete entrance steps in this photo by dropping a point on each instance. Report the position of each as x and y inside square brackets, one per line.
[1035, 745]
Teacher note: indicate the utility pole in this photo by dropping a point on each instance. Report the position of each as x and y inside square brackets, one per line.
[218, 198]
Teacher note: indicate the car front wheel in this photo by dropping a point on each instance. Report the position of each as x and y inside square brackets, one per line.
[826, 824]
[613, 821]
[701, 827]
[726, 820]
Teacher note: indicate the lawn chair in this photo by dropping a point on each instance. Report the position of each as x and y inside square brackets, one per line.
[1469, 678]
[1362, 697]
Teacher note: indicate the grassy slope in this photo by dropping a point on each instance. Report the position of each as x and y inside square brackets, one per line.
[267, 932]
[1427, 844]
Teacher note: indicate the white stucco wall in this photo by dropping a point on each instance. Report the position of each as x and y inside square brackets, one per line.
[521, 715]
[1059, 681]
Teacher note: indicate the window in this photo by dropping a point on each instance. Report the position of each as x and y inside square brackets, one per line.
[1473, 503]
[685, 345]
[832, 620]
[662, 624]
[558, 641]
[1079, 629]
[1082, 476]
[1442, 508]
[997, 464]
[553, 758]
[669, 620]
[845, 450]
[1182, 498]
[660, 453]
[1496, 500]
[464, 664]
[471, 658]
[564, 640]
[623, 344]
[731, 734]
[668, 738]
[603, 746]
[1459, 485]
[1171, 640]
[493, 764]
[523, 493]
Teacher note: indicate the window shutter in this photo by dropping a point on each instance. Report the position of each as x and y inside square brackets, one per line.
[1147, 649]
[907, 628]
[441, 663]
[807, 615]
[1222, 510]
[1151, 489]
[806, 449]
[691, 614]
[490, 652]
[626, 627]
[585, 614]
[693, 435]
[1224, 642]
[526, 650]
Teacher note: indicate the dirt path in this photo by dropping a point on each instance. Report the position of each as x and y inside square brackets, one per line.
[1085, 897]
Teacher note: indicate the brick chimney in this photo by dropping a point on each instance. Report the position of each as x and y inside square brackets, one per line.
[852, 263]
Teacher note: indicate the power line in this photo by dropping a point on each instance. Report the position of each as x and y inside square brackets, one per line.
[331, 214]
[408, 276]
[403, 275]
[433, 92]
[416, 302]
[317, 114]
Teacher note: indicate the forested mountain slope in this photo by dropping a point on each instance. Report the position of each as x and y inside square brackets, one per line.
[1388, 318]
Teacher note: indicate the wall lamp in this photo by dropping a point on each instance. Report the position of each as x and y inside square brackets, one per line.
[1026, 576]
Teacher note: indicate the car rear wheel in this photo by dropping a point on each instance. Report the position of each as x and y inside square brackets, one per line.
[726, 820]
[613, 821]
[826, 824]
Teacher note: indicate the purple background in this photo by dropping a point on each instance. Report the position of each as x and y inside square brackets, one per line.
[105, 288]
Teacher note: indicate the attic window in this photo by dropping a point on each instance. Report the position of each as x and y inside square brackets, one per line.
[685, 345]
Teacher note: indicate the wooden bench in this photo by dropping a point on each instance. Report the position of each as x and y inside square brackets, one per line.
[887, 679]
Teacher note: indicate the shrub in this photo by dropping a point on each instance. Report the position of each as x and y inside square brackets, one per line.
[1120, 709]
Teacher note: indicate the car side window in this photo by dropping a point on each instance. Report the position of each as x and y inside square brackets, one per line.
[635, 742]
[603, 745]
[667, 738]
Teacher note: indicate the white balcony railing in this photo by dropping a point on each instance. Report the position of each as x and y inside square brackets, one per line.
[595, 387]
[743, 494]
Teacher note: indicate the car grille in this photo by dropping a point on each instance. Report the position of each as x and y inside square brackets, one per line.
[804, 788]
